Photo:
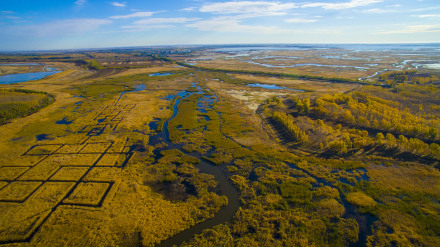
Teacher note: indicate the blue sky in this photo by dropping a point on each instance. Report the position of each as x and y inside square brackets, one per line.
[62, 24]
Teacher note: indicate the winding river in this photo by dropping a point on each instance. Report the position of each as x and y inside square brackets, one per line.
[224, 187]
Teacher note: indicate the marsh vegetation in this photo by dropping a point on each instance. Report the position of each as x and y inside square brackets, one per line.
[139, 147]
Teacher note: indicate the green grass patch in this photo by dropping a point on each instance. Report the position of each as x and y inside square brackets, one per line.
[15, 103]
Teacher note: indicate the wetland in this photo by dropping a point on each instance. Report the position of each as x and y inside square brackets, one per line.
[278, 145]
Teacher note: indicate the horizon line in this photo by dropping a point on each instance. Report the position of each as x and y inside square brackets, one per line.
[225, 44]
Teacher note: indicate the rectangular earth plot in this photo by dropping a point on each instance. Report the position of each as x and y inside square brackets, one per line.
[69, 174]
[20, 220]
[43, 149]
[72, 159]
[18, 191]
[99, 147]
[90, 194]
[70, 149]
[11, 173]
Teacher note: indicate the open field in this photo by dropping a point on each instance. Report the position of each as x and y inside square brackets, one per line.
[137, 151]
[14, 69]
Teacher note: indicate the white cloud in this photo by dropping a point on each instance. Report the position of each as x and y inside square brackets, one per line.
[189, 9]
[426, 9]
[6, 12]
[12, 17]
[80, 2]
[154, 23]
[415, 29]
[377, 11]
[164, 20]
[246, 7]
[255, 15]
[347, 5]
[146, 27]
[117, 4]
[233, 25]
[134, 15]
[299, 20]
[428, 16]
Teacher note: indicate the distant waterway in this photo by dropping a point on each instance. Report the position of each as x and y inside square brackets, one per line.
[24, 77]
[431, 66]
[307, 64]
[160, 74]
[422, 48]
[272, 86]
[20, 64]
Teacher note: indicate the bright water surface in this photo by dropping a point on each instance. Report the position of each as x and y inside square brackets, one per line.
[160, 74]
[272, 86]
[23, 77]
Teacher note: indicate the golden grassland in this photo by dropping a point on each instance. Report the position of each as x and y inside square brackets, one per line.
[14, 69]
[165, 67]
[423, 179]
[131, 212]
[95, 180]
[316, 87]
[303, 70]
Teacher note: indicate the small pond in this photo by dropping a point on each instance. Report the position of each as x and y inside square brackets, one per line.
[64, 121]
[272, 86]
[161, 74]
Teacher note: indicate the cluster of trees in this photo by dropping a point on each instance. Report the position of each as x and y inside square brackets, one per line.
[421, 100]
[398, 76]
[401, 76]
[364, 110]
[412, 145]
[303, 105]
[93, 64]
[15, 103]
[342, 140]
[335, 139]
[424, 80]
[288, 122]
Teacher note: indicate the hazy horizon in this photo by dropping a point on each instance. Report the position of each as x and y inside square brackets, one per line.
[212, 46]
[82, 24]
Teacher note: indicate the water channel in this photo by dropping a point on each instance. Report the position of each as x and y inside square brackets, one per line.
[224, 187]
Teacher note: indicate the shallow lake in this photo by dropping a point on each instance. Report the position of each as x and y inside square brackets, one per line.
[17, 78]
[432, 66]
